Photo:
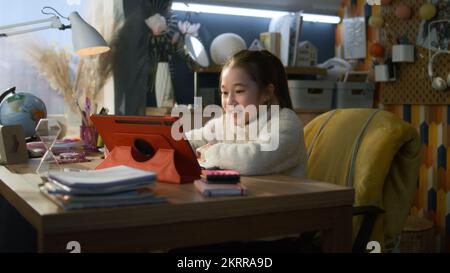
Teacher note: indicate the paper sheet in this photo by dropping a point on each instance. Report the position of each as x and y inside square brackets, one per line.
[354, 38]
[283, 25]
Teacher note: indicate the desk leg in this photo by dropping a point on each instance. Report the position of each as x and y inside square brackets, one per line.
[339, 237]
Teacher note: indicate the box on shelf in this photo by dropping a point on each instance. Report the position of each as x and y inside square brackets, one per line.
[354, 94]
[311, 94]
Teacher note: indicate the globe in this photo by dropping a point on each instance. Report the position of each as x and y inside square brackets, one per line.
[23, 109]
[225, 46]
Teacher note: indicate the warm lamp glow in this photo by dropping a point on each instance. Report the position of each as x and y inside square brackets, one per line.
[92, 51]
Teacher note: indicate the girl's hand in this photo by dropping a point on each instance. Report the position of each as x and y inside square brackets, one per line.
[202, 150]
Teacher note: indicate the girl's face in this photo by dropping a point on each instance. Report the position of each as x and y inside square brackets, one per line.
[238, 89]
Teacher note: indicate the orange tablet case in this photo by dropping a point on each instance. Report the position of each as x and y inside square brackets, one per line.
[173, 161]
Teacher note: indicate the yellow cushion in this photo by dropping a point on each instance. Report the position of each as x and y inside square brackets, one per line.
[386, 164]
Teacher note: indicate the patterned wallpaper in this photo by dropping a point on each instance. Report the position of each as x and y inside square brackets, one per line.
[432, 199]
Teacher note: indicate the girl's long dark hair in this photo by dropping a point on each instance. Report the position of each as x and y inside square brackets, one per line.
[264, 68]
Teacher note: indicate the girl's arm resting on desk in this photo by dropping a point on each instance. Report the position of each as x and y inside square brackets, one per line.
[197, 138]
[250, 159]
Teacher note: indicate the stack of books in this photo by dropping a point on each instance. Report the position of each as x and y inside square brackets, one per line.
[111, 187]
[220, 183]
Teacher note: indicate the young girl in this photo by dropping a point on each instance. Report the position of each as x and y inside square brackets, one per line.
[253, 78]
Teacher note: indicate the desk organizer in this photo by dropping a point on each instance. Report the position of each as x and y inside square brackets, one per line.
[311, 94]
[384, 73]
[403, 53]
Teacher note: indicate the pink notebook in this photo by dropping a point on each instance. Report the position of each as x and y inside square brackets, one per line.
[211, 190]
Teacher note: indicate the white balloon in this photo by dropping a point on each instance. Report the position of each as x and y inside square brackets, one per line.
[225, 46]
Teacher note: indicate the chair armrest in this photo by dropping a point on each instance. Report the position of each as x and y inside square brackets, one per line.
[370, 214]
[365, 210]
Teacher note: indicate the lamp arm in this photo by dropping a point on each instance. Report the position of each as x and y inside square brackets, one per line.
[54, 23]
[86, 40]
[29, 23]
[24, 31]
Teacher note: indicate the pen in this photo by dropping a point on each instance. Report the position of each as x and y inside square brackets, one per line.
[88, 110]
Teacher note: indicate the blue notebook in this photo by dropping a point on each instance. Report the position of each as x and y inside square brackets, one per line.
[115, 200]
[104, 178]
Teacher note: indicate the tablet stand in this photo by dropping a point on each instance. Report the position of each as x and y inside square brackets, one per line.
[162, 163]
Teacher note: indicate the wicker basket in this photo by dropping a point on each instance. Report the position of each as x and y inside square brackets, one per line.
[418, 236]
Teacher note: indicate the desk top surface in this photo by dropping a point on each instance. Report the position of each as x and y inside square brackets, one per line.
[272, 193]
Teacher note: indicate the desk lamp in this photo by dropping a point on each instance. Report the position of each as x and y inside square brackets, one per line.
[86, 39]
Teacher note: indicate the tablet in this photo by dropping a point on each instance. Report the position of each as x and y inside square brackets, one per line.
[147, 134]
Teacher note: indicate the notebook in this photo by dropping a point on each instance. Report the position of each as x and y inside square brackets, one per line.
[54, 187]
[76, 202]
[212, 190]
[104, 178]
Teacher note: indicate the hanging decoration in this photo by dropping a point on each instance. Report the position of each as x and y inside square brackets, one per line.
[376, 21]
[403, 12]
[377, 50]
[427, 11]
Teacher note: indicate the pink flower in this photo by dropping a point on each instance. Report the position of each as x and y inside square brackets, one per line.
[157, 24]
[187, 28]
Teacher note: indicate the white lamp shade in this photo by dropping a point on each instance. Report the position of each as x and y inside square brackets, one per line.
[86, 39]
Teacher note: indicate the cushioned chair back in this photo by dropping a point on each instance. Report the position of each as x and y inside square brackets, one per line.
[373, 151]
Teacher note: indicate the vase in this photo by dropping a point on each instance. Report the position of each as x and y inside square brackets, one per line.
[163, 86]
[73, 120]
[89, 135]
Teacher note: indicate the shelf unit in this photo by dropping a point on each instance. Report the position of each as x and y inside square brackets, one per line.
[291, 71]
[301, 70]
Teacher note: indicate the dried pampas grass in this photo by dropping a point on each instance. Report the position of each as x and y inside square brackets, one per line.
[52, 63]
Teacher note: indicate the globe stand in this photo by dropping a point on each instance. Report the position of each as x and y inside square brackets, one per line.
[48, 131]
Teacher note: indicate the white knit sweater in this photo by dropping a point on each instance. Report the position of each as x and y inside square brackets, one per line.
[246, 156]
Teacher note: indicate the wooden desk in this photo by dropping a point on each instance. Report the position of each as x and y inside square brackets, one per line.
[276, 205]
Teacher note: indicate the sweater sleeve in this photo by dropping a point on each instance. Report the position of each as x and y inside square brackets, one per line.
[197, 137]
[251, 159]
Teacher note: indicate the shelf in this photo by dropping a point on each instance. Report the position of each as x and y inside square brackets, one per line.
[305, 70]
[289, 70]
[158, 111]
[210, 69]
